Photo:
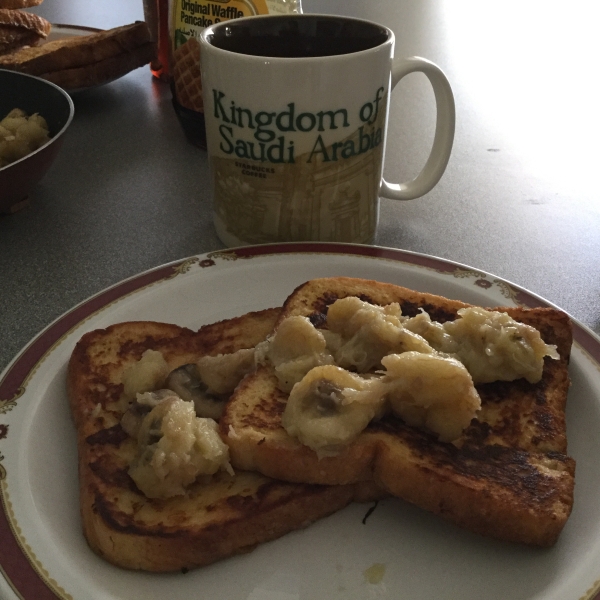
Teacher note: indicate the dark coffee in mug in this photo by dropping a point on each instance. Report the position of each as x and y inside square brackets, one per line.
[290, 37]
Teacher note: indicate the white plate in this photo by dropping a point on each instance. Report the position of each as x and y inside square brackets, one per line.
[44, 555]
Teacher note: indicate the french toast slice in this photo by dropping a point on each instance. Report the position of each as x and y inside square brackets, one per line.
[79, 51]
[88, 60]
[507, 476]
[215, 519]
[104, 70]
[20, 28]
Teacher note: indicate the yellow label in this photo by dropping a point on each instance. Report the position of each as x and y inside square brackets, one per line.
[187, 19]
[190, 17]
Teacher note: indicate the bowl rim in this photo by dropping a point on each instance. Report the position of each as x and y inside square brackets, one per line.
[59, 133]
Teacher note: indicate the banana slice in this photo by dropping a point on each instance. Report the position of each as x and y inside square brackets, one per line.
[368, 333]
[330, 407]
[432, 392]
[295, 348]
[175, 448]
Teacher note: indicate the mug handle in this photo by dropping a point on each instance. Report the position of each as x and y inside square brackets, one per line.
[444, 130]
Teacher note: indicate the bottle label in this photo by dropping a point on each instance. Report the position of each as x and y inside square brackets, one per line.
[190, 17]
[187, 20]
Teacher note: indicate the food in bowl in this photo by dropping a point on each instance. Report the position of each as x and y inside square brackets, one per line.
[32, 95]
[21, 134]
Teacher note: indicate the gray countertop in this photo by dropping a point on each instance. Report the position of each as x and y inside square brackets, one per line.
[519, 198]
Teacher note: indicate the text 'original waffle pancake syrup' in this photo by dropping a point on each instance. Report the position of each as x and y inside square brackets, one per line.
[176, 26]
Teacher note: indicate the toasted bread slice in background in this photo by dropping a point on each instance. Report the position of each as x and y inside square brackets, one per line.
[507, 476]
[84, 61]
[79, 51]
[216, 519]
[19, 28]
[104, 70]
[19, 3]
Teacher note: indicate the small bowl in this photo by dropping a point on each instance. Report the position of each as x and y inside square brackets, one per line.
[33, 95]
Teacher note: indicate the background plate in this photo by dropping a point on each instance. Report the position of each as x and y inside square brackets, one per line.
[44, 555]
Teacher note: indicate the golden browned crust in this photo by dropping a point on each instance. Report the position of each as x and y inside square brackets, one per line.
[12, 39]
[99, 358]
[498, 491]
[19, 28]
[507, 476]
[25, 20]
[225, 517]
[19, 3]
[216, 519]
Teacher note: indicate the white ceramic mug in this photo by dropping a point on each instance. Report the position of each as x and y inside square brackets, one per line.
[296, 112]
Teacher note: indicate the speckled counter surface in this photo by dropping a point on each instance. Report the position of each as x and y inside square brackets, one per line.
[519, 198]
